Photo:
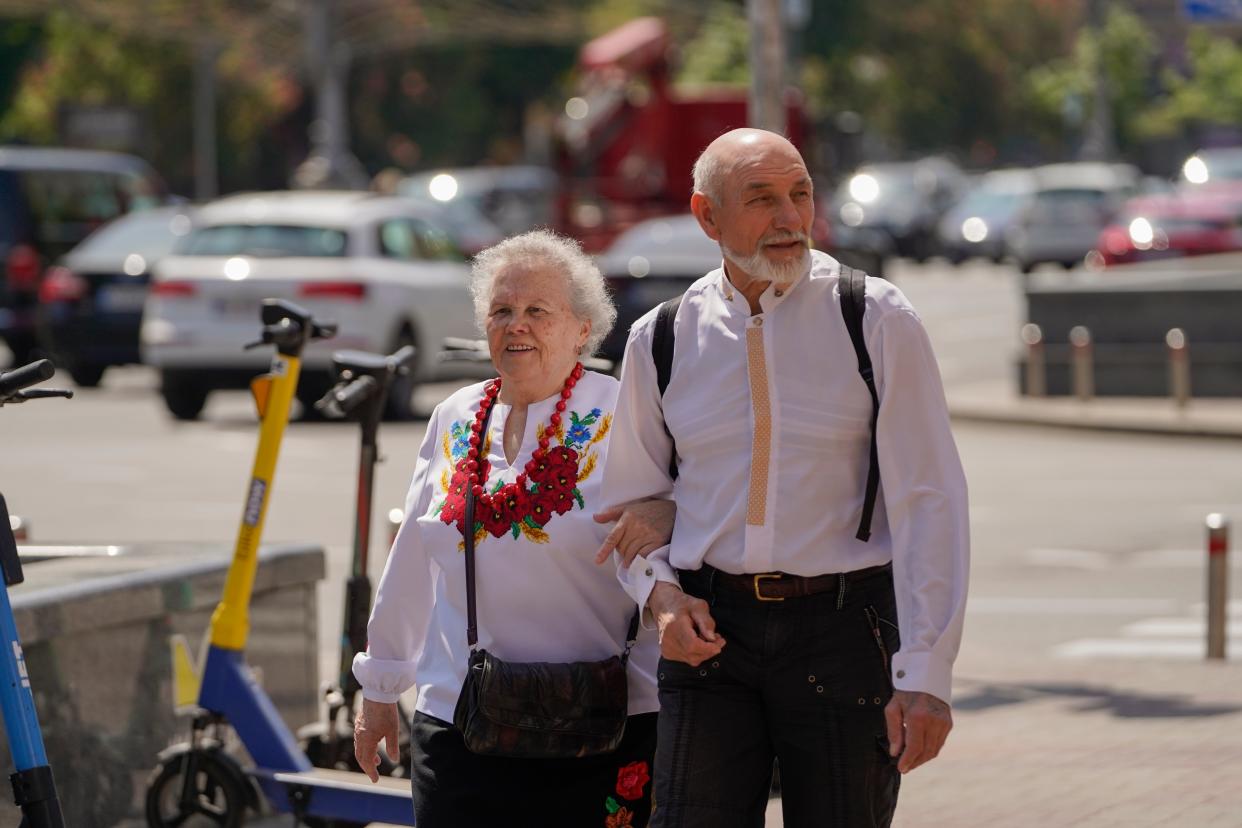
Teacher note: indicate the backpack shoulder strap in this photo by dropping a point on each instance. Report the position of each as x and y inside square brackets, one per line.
[663, 338]
[662, 341]
[853, 290]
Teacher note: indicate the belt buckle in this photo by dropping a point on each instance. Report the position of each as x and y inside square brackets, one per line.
[760, 577]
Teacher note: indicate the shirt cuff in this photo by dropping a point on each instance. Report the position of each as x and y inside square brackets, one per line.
[382, 680]
[643, 575]
[924, 673]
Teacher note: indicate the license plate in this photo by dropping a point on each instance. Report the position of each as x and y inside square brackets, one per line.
[121, 298]
[236, 306]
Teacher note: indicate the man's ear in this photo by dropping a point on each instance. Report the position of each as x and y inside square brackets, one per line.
[705, 212]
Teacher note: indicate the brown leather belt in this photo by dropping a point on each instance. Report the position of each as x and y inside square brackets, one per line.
[777, 586]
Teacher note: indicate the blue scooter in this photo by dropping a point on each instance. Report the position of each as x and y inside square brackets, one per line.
[34, 789]
[198, 782]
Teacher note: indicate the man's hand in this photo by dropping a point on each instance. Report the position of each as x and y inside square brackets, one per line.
[918, 724]
[376, 722]
[642, 527]
[687, 629]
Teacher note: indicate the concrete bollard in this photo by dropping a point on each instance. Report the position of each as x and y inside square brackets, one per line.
[1081, 362]
[20, 527]
[1036, 367]
[1179, 366]
[1217, 584]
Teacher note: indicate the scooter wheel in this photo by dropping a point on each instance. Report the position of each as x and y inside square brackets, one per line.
[215, 795]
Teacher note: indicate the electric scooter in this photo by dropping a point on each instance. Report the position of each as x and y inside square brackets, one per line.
[198, 781]
[34, 790]
[361, 391]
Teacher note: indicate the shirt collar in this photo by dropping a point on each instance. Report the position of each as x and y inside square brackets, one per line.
[771, 296]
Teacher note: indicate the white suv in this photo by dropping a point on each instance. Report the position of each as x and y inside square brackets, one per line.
[378, 266]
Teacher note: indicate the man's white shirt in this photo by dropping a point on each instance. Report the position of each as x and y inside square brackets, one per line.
[771, 422]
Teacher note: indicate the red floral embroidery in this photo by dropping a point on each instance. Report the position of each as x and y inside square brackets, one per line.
[542, 505]
[495, 520]
[623, 818]
[631, 780]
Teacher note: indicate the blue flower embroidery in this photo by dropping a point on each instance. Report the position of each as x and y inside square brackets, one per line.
[578, 434]
[461, 440]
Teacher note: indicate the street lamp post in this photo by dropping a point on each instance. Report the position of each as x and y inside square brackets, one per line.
[767, 64]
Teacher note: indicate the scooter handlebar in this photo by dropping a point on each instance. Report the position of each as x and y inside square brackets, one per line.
[399, 363]
[26, 376]
[345, 399]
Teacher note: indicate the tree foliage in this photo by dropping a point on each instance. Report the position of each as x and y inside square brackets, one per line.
[1210, 94]
[83, 63]
[1062, 91]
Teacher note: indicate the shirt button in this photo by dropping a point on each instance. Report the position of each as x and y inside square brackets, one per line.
[780, 293]
[759, 323]
[648, 571]
[901, 674]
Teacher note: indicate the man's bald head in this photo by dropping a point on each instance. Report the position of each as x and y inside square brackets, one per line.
[724, 154]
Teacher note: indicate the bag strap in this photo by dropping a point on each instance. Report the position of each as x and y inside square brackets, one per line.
[663, 338]
[472, 619]
[853, 290]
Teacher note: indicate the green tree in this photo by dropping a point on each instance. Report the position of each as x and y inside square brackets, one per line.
[1061, 92]
[85, 63]
[720, 51]
[1210, 94]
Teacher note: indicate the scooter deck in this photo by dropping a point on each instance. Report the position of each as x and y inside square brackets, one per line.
[339, 794]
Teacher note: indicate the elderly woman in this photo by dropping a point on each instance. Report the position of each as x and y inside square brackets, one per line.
[535, 470]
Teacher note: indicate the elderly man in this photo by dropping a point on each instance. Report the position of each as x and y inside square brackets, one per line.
[786, 630]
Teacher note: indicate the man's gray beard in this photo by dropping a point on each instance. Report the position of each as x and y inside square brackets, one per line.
[761, 269]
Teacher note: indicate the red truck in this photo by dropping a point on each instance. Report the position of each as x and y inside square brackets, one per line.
[627, 143]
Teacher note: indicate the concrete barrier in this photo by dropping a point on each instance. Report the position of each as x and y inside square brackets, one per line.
[95, 623]
[1129, 311]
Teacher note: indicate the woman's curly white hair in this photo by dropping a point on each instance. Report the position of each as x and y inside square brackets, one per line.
[588, 295]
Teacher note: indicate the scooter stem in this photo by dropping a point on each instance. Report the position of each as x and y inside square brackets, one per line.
[230, 623]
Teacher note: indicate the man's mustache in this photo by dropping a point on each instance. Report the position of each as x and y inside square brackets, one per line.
[784, 238]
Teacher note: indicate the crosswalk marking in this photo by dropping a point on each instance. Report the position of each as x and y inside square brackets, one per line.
[1181, 637]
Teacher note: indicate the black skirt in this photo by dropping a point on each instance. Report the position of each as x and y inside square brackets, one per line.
[454, 788]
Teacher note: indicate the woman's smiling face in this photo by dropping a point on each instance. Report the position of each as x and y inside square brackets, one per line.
[532, 332]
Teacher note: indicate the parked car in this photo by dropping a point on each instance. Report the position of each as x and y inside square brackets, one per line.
[379, 266]
[659, 258]
[51, 199]
[977, 224]
[487, 204]
[1168, 226]
[1060, 221]
[652, 261]
[903, 201]
[90, 301]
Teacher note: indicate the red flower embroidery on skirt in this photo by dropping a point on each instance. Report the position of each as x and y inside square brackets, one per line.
[623, 818]
[631, 780]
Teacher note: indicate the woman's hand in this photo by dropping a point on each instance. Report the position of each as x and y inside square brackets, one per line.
[642, 527]
[376, 722]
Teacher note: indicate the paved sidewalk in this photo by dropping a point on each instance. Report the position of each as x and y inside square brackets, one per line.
[999, 402]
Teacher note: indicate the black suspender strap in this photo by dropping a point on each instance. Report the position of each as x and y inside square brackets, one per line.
[853, 306]
[663, 337]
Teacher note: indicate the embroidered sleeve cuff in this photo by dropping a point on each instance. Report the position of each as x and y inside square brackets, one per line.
[642, 577]
[924, 673]
[382, 680]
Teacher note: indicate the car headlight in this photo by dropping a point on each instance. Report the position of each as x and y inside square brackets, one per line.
[974, 229]
[864, 188]
[1141, 233]
[852, 213]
